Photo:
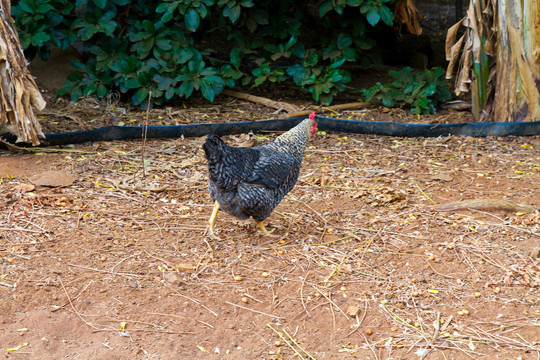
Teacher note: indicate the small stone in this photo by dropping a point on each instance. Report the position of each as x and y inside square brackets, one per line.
[186, 267]
[171, 277]
[442, 177]
[53, 179]
[353, 311]
[535, 252]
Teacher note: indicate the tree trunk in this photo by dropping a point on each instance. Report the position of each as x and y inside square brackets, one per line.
[18, 90]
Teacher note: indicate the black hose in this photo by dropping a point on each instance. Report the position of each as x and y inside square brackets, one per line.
[110, 133]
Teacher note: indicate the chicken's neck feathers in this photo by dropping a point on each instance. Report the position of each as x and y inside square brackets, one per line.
[293, 141]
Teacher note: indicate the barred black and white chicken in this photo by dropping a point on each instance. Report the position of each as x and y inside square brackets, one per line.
[251, 182]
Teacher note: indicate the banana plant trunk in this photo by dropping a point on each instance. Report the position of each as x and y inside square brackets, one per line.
[18, 90]
[498, 59]
[517, 88]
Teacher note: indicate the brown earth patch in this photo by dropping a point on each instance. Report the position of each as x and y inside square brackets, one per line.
[116, 266]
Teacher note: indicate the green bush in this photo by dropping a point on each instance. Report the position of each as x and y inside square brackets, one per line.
[421, 91]
[174, 48]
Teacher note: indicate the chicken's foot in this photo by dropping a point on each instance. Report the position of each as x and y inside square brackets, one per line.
[210, 228]
[263, 229]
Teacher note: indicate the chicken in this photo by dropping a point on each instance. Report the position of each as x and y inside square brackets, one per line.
[251, 182]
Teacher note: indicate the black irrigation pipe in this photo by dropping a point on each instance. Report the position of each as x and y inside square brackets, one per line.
[110, 133]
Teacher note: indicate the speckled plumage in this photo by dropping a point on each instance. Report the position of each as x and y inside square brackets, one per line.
[252, 181]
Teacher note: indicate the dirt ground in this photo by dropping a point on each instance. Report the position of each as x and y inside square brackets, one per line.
[113, 263]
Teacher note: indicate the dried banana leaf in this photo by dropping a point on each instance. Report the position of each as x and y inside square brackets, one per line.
[407, 13]
[452, 55]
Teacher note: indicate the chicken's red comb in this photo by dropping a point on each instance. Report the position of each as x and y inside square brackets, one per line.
[312, 116]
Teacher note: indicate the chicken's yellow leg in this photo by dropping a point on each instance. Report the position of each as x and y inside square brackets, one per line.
[212, 221]
[263, 229]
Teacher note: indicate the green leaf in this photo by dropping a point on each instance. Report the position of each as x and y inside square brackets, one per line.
[76, 93]
[207, 71]
[260, 16]
[100, 3]
[107, 24]
[90, 89]
[27, 5]
[259, 80]
[386, 15]
[163, 44]
[86, 33]
[183, 56]
[139, 96]
[337, 63]
[169, 93]
[325, 8]
[246, 3]
[316, 90]
[101, 91]
[202, 10]
[192, 20]
[438, 72]
[298, 73]
[233, 13]
[299, 50]
[186, 89]
[207, 91]
[165, 83]
[373, 16]
[422, 103]
[44, 8]
[214, 80]
[246, 80]
[131, 83]
[388, 100]
[349, 54]
[251, 24]
[235, 57]
[343, 41]
[326, 99]
[39, 38]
